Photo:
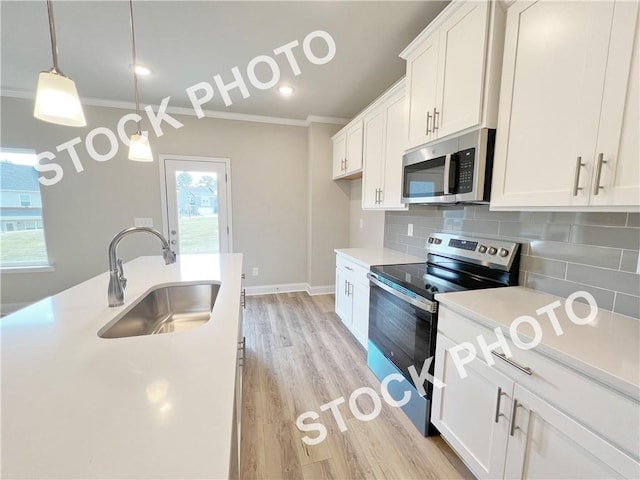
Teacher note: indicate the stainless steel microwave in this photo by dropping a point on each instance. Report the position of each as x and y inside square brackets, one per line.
[457, 170]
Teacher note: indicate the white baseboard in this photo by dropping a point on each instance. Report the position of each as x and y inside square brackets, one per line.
[288, 288]
[321, 290]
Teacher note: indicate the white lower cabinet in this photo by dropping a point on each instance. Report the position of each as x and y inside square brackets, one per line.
[352, 297]
[500, 428]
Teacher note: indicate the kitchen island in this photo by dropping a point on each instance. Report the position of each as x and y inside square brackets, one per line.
[75, 405]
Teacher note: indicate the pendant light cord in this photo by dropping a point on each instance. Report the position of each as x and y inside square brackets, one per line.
[135, 75]
[54, 43]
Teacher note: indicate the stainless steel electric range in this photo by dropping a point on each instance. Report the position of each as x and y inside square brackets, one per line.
[403, 313]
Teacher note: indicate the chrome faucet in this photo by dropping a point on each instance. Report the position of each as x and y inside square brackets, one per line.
[117, 281]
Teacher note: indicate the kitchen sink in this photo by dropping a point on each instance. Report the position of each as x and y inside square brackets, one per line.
[165, 309]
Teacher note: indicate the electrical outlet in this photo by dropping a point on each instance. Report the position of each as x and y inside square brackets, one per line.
[410, 229]
[255, 272]
[361, 223]
[143, 222]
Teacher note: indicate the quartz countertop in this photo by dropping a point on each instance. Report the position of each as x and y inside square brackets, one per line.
[607, 348]
[75, 405]
[366, 257]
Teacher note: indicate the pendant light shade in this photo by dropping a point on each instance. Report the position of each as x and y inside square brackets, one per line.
[57, 99]
[139, 148]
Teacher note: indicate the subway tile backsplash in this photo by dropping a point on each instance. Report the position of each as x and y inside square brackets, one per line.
[562, 252]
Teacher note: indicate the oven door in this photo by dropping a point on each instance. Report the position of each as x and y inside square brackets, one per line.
[429, 181]
[401, 326]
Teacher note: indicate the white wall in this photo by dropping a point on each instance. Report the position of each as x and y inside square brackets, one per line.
[269, 175]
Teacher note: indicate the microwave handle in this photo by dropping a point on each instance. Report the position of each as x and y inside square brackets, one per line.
[447, 169]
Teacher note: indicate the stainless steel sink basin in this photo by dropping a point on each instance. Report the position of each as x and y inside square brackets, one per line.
[166, 309]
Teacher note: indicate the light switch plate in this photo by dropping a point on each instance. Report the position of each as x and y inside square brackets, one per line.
[143, 222]
[361, 223]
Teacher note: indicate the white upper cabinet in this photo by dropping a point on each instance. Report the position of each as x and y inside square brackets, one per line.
[383, 150]
[568, 108]
[453, 72]
[347, 150]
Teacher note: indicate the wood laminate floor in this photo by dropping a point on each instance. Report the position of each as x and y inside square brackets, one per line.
[299, 356]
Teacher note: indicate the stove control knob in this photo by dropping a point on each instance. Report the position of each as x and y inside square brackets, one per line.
[493, 250]
[504, 252]
[434, 289]
[437, 241]
[427, 286]
[482, 248]
[430, 240]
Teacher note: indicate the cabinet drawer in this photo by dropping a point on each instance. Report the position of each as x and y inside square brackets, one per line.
[609, 413]
[358, 272]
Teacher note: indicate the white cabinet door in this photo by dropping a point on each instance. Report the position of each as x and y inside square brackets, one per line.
[422, 80]
[343, 299]
[391, 194]
[472, 413]
[354, 148]
[547, 443]
[360, 312]
[339, 154]
[552, 80]
[616, 180]
[461, 67]
[374, 143]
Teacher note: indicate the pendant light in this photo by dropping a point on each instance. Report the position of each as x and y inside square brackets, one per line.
[139, 148]
[57, 99]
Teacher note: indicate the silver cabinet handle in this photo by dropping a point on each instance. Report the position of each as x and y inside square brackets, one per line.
[243, 298]
[380, 196]
[377, 196]
[242, 348]
[512, 429]
[435, 123]
[601, 160]
[428, 119]
[346, 288]
[576, 176]
[497, 415]
[346, 161]
[348, 268]
[502, 356]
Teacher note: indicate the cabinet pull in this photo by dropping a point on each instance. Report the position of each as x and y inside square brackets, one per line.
[380, 196]
[514, 409]
[601, 160]
[497, 415]
[428, 119]
[346, 161]
[348, 268]
[502, 356]
[242, 348]
[576, 176]
[243, 298]
[435, 123]
[346, 288]
[377, 196]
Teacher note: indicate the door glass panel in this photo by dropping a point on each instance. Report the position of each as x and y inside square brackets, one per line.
[197, 202]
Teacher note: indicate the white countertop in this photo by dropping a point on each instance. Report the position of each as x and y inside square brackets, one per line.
[607, 349]
[75, 405]
[366, 257]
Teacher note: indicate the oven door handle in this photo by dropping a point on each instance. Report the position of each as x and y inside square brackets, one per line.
[423, 303]
[447, 169]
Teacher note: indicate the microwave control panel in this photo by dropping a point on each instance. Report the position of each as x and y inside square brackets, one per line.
[466, 163]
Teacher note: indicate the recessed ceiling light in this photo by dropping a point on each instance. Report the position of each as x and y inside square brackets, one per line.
[142, 70]
[286, 90]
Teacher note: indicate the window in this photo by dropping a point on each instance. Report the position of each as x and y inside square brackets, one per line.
[25, 200]
[22, 233]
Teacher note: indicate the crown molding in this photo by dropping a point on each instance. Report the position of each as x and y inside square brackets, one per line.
[331, 120]
[242, 117]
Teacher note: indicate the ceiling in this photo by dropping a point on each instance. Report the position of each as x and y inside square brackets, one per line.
[188, 42]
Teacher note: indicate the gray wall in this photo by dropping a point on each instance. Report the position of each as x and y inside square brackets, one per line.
[562, 252]
[269, 173]
[328, 204]
[366, 227]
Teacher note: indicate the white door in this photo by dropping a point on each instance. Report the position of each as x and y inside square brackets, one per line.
[552, 81]
[197, 204]
[472, 413]
[546, 443]
[461, 63]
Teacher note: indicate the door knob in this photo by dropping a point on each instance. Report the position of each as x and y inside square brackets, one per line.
[173, 242]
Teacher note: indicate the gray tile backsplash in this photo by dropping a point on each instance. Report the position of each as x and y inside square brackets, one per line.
[562, 252]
